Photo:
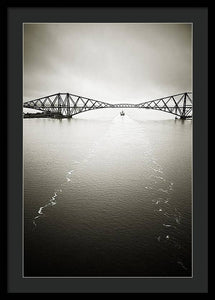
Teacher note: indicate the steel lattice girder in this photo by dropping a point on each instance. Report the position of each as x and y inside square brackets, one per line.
[180, 104]
[69, 104]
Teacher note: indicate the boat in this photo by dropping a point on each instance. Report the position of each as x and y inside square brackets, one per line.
[122, 113]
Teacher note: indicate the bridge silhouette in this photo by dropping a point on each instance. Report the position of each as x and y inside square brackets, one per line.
[66, 105]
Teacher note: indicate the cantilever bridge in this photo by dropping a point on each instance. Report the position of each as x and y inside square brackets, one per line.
[67, 105]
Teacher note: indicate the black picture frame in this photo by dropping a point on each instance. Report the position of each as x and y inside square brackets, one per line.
[15, 17]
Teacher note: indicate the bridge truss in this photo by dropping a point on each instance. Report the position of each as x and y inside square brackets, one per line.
[67, 105]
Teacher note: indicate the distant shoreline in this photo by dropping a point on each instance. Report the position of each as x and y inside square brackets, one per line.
[42, 115]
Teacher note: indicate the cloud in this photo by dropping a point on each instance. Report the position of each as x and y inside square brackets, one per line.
[110, 62]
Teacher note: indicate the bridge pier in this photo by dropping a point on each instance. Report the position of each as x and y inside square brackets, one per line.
[59, 103]
[68, 105]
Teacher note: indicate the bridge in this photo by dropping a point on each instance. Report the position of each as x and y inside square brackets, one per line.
[66, 105]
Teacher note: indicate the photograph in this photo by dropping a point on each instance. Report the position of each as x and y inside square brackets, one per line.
[107, 175]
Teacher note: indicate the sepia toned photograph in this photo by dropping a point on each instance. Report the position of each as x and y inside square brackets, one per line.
[107, 150]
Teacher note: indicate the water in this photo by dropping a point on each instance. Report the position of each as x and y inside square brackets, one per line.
[107, 197]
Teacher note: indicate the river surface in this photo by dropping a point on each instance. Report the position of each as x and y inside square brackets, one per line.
[107, 197]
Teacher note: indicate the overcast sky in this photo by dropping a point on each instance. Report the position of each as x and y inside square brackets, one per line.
[109, 62]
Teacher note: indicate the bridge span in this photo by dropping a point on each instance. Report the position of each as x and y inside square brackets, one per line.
[66, 105]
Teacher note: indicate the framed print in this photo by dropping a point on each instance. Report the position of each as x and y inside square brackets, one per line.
[107, 150]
